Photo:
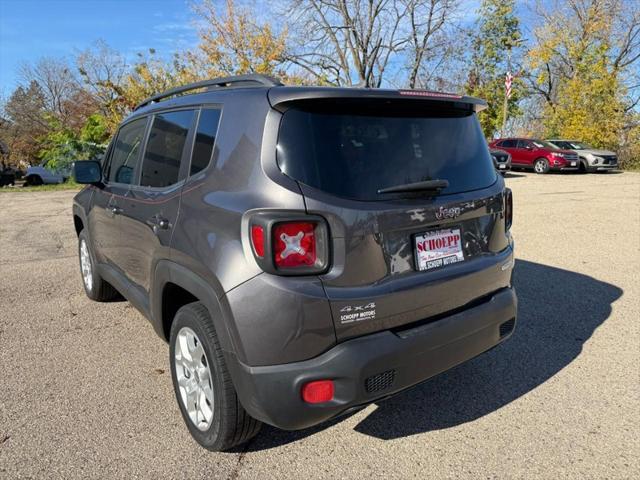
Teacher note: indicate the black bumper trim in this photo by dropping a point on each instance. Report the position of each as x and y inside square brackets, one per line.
[272, 393]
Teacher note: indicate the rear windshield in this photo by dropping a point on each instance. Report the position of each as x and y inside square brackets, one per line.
[353, 155]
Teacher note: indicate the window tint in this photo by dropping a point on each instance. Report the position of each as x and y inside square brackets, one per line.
[125, 152]
[524, 144]
[167, 138]
[205, 139]
[353, 154]
[509, 143]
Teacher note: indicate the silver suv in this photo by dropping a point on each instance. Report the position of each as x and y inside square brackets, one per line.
[591, 159]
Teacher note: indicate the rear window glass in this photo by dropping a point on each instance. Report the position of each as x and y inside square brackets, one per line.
[161, 165]
[353, 155]
[205, 140]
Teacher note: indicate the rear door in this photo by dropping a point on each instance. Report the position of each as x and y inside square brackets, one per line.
[399, 258]
[150, 208]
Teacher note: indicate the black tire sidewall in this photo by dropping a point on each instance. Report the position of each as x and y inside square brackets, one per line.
[186, 317]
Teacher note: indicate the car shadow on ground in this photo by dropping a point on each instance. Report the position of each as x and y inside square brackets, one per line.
[513, 174]
[558, 312]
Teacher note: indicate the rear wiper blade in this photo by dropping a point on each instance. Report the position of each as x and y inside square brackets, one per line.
[428, 185]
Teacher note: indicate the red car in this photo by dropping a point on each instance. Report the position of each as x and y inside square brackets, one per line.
[537, 154]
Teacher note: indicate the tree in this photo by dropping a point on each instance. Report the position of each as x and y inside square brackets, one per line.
[428, 37]
[233, 42]
[103, 72]
[494, 51]
[58, 83]
[344, 42]
[24, 122]
[581, 64]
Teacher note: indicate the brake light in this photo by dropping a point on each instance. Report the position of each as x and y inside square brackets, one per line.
[508, 208]
[289, 242]
[294, 244]
[257, 240]
[319, 391]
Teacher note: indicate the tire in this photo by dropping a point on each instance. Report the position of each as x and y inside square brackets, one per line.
[541, 165]
[583, 166]
[217, 420]
[34, 180]
[94, 286]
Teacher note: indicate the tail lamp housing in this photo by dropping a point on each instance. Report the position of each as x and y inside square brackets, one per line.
[289, 243]
[508, 208]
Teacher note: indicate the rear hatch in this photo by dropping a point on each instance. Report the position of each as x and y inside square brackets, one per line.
[398, 257]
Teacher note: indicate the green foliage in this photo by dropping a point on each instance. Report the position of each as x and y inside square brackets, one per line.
[574, 55]
[496, 39]
[62, 146]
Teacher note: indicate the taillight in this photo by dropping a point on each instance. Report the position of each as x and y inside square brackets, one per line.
[257, 240]
[286, 243]
[508, 208]
[319, 391]
[294, 244]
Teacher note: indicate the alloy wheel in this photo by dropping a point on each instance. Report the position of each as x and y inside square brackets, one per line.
[193, 375]
[85, 265]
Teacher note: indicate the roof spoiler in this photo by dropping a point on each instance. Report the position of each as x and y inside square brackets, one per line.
[281, 97]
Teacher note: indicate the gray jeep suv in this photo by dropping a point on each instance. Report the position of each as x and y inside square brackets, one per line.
[305, 251]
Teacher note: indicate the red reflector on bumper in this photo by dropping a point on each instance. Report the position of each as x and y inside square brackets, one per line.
[319, 391]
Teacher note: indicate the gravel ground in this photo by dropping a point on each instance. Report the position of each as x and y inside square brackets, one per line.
[85, 390]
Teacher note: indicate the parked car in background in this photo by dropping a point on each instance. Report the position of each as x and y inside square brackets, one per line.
[591, 159]
[7, 176]
[539, 155]
[501, 160]
[40, 175]
[239, 221]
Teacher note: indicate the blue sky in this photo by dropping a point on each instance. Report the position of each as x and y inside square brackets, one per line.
[30, 29]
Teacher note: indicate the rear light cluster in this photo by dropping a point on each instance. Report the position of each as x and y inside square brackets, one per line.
[508, 208]
[287, 244]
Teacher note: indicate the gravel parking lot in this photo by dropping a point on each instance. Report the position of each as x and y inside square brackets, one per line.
[85, 390]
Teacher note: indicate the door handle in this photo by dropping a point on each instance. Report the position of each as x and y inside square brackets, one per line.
[158, 223]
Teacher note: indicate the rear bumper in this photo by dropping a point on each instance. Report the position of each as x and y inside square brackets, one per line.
[371, 367]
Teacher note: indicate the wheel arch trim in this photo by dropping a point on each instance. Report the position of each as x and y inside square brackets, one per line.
[167, 272]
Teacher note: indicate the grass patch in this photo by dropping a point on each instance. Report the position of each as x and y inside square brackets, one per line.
[68, 185]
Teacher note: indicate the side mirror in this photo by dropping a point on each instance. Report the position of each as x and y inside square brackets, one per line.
[88, 172]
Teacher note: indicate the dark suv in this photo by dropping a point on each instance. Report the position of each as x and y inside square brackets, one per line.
[304, 250]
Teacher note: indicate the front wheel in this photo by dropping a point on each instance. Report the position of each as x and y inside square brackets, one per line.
[94, 286]
[208, 401]
[541, 165]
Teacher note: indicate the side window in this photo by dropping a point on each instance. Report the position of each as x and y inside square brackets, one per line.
[167, 139]
[508, 144]
[205, 140]
[124, 153]
[523, 143]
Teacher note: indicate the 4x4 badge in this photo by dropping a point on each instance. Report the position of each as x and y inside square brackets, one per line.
[357, 313]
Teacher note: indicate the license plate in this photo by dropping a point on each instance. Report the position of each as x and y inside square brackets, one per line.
[438, 248]
[502, 166]
[573, 164]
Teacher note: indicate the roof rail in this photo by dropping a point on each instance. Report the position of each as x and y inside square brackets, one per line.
[252, 79]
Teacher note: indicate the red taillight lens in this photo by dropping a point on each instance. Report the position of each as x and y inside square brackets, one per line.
[257, 240]
[294, 244]
[508, 209]
[319, 391]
